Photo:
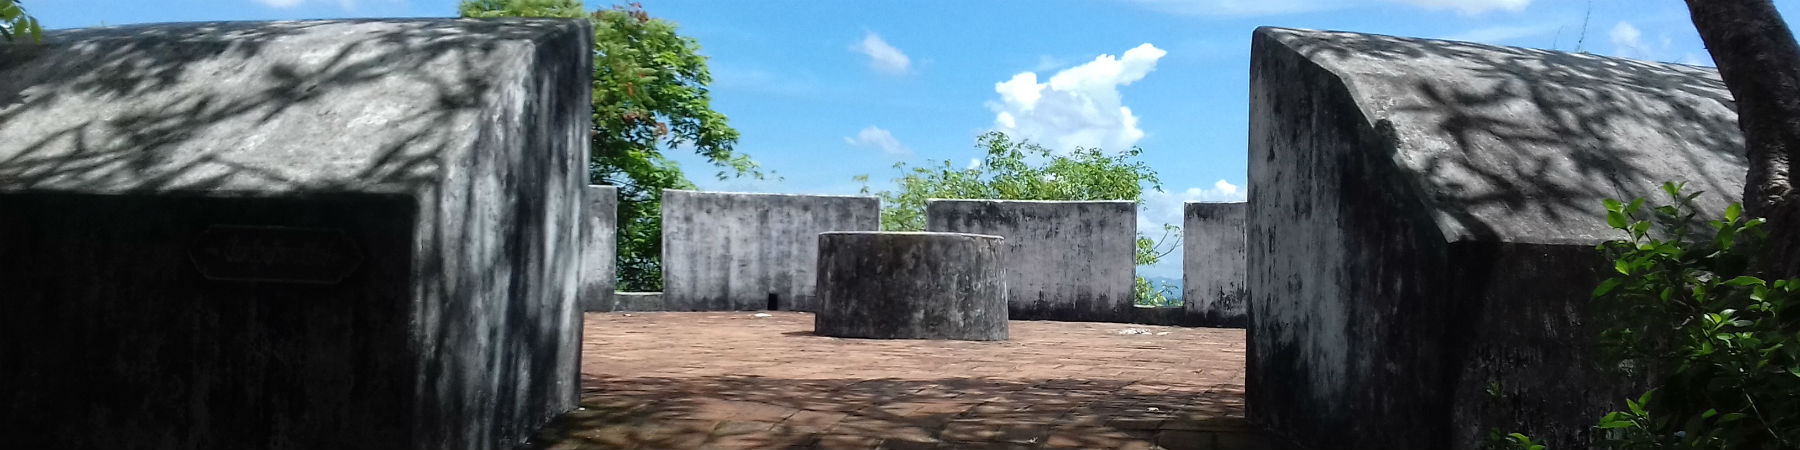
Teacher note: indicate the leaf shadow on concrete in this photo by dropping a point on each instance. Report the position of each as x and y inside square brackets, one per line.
[763, 412]
[1506, 154]
[128, 111]
[1523, 144]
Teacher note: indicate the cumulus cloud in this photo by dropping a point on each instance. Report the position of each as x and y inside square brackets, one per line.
[883, 58]
[1166, 208]
[1077, 107]
[880, 139]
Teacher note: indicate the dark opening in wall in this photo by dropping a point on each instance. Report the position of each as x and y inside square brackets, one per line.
[774, 301]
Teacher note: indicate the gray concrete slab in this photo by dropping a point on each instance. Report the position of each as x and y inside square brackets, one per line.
[1421, 221]
[178, 202]
[599, 249]
[1212, 264]
[893, 285]
[735, 251]
[1066, 260]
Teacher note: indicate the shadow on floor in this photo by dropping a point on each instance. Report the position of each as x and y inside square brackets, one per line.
[962, 413]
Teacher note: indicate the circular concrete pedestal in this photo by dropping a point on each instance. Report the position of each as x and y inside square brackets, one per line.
[911, 286]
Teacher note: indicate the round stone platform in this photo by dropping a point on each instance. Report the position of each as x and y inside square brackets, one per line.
[885, 285]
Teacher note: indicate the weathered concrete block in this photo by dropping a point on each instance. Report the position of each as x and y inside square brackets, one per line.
[1067, 260]
[1421, 222]
[1212, 264]
[639, 301]
[885, 285]
[739, 252]
[318, 234]
[599, 249]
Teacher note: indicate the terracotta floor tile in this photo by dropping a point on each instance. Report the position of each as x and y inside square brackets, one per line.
[656, 380]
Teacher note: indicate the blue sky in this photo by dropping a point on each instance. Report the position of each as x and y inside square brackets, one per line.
[826, 90]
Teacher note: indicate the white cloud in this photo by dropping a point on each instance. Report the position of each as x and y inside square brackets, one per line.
[883, 58]
[880, 139]
[1079, 106]
[974, 163]
[1627, 38]
[1470, 6]
[1167, 207]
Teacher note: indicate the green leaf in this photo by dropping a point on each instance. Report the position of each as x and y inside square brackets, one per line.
[1615, 219]
[1606, 286]
[1732, 212]
[1744, 280]
[1611, 205]
[1622, 266]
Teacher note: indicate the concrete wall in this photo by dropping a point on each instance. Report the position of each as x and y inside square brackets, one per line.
[1421, 223]
[893, 285]
[216, 238]
[1066, 260]
[638, 301]
[731, 251]
[1212, 264]
[599, 249]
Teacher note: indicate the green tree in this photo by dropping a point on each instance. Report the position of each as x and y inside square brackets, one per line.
[14, 21]
[1022, 170]
[649, 95]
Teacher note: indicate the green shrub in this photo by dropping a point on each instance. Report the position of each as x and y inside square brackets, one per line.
[1717, 341]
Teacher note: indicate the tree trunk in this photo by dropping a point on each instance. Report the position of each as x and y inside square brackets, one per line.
[1760, 63]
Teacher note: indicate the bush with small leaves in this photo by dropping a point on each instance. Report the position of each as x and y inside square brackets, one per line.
[1718, 341]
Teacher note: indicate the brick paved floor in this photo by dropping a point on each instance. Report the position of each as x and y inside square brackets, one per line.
[732, 380]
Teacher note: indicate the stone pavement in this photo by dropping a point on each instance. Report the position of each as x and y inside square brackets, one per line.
[730, 380]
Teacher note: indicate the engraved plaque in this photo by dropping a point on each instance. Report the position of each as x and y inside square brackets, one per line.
[275, 254]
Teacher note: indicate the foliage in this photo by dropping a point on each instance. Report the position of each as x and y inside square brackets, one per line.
[1153, 294]
[14, 21]
[649, 94]
[1718, 340]
[1022, 170]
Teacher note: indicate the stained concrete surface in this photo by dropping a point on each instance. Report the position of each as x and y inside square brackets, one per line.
[449, 154]
[1212, 264]
[891, 285]
[734, 251]
[1066, 260]
[1421, 223]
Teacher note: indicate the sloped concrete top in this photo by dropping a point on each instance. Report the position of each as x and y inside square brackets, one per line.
[313, 106]
[1521, 145]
